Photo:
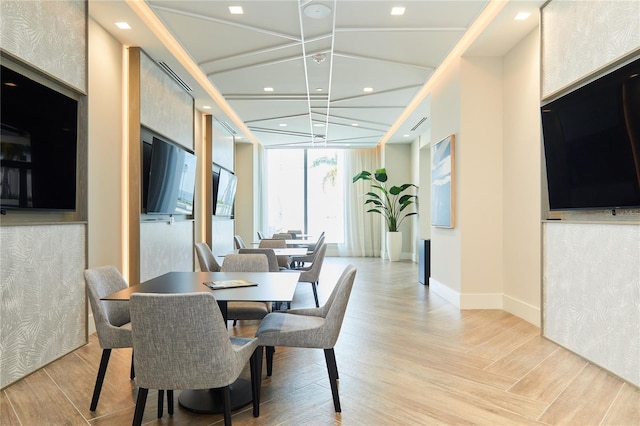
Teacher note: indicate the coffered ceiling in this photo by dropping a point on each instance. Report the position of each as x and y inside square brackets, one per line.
[316, 73]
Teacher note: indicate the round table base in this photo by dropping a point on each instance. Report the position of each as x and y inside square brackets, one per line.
[210, 401]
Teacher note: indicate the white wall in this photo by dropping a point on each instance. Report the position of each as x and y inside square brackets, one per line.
[479, 183]
[445, 243]
[491, 259]
[105, 149]
[521, 184]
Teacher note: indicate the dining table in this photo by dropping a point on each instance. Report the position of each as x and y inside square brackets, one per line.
[255, 287]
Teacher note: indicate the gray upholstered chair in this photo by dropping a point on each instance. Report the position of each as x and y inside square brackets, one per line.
[111, 318]
[206, 259]
[180, 342]
[311, 274]
[261, 236]
[246, 263]
[282, 236]
[283, 261]
[271, 256]
[294, 233]
[311, 255]
[239, 242]
[310, 328]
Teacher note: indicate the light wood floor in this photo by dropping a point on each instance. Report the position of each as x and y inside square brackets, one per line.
[405, 357]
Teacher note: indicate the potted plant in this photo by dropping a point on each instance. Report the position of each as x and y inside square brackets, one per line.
[393, 204]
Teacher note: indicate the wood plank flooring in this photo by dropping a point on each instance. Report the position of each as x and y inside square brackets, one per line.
[405, 357]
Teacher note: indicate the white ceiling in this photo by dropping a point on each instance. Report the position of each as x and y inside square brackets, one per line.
[274, 44]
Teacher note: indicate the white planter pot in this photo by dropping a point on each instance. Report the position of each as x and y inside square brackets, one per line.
[394, 245]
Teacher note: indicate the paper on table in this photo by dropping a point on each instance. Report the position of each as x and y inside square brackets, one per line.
[216, 285]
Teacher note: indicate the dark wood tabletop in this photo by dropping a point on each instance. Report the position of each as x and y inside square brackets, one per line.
[271, 286]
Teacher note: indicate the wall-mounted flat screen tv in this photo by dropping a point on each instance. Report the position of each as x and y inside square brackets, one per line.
[592, 143]
[171, 180]
[38, 142]
[224, 191]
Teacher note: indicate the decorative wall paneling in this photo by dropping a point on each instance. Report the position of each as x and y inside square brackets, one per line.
[44, 307]
[50, 35]
[42, 295]
[156, 243]
[591, 261]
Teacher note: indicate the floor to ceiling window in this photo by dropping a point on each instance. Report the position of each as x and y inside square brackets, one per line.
[305, 191]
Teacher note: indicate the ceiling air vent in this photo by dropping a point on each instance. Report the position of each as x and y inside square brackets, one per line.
[422, 120]
[227, 126]
[175, 76]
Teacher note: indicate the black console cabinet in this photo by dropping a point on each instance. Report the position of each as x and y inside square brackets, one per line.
[424, 261]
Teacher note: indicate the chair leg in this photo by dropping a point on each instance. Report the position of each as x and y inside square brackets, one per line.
[104, 361]
[132, 374]
[160, 402]
[332, 367]
[170, 402]
[270, 351]
[140, 403]
[315, 293]
[227, 405]
[256, 379]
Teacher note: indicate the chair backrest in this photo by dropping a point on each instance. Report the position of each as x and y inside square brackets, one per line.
[207, 260]
[272, 243]
[312, 275]
[333, 310]
[245, 263]
[260, 235]
[239, 242]
[294, 233]
[319, 242]
[282, 236]
[271, 256]
[180, 341]
[108, 315]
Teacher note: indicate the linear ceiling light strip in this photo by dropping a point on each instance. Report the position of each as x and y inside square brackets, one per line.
[306, 72]
[333, 41]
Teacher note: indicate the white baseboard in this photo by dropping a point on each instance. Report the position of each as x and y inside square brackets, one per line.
[514, 306]
[445, 292]
[523, 310]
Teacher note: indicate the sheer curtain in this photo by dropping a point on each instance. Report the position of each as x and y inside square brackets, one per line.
[363, 231]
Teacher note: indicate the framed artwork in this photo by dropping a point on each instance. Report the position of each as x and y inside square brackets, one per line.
[442, 183]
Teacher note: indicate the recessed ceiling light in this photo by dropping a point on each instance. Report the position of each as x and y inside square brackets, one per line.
[355, 124]
[123, 25]
[318, 125]
[236, 10]
[368, 89]
[268, 89]
[283, 124]
[398, 10]
[319, 89]
[521, 16]
[406, 136]
[206, 106]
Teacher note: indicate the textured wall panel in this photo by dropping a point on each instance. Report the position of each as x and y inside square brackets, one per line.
[165, 248]
[42, 296]
[48, 34]
[592, 293]
[579, 37]
[164, 106]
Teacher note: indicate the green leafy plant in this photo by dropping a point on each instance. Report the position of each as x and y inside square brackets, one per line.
[391, 203]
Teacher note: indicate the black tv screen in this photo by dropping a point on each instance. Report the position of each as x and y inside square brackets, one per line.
[224, 191]
[38, 140]
[171, 180]
[592, 143]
